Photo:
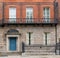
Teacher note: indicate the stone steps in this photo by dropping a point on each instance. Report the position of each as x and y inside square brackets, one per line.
[39, 50]
[39, 53]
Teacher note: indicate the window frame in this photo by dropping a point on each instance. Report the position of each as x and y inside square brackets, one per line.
[46, 39]
[29, 16]
[12, 16]
[46, 14]
[29, 39]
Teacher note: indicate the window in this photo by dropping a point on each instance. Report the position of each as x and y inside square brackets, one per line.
[29, 38]
[29, 14]
[12, 14]
[46, 38]
[46, 14]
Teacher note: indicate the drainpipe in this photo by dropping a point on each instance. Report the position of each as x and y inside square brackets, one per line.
[56, 16]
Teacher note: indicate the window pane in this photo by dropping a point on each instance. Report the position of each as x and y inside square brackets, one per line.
[29, 12]
[46, 13]
[29, 38]
[12, 14]
[46, 39]
[32, 38]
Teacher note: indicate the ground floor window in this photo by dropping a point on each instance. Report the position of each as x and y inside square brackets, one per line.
[29, 38]
[47, 38]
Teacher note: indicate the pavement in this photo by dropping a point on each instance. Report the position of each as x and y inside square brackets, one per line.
[41, 56]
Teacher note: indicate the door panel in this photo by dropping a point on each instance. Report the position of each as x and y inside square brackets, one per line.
[12, 43]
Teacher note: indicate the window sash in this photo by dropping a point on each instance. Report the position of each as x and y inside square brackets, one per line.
[29, 38]
[29, 13]
[47, 39]
[12, 14]
[46, 14]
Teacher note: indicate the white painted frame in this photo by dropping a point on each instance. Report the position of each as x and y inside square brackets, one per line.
[29, 10]
[48, 38]
[12, 14]
[45, 15]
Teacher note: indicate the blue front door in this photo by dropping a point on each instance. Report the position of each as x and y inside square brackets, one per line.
[12, 43]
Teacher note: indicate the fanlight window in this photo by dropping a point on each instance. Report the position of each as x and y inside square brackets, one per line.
[13, 31]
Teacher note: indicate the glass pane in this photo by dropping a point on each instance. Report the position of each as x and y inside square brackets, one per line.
[12, 12]
[29, 12]
[46, 13]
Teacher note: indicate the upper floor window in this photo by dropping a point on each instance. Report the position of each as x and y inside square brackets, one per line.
[29, 14]
[46, 14]
[12, 14]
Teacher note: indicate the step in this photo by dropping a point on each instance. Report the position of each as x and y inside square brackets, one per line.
[38, 54]
[39, 50]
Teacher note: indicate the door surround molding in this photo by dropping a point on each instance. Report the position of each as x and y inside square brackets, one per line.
[7, 43]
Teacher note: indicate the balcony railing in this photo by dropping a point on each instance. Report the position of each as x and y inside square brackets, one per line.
[22, 20]
[29, 21]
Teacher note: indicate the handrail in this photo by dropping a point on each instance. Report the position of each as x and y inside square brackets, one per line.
[32, 20]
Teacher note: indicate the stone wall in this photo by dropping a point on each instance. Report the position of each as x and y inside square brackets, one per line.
[37, 34]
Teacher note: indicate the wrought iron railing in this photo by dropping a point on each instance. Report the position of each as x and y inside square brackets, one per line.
[23, 20]
[28, 21]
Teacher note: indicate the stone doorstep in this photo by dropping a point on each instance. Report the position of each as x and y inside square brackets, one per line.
[42, 53]
[14, 53]
[9, 53]
[3, 54]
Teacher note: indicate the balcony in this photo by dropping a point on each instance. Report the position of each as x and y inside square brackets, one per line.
[22, 20]
[29, 21]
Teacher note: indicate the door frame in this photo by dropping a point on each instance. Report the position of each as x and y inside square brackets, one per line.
[18, 43]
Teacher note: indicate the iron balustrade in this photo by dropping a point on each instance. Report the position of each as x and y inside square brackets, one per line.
[29, 21]
[23, 20]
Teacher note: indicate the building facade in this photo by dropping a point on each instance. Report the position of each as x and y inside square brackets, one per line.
[29, 27]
